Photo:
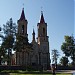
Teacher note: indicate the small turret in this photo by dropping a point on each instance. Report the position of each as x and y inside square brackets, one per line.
[33, 36]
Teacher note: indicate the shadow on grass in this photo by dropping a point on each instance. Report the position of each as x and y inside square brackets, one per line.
[4, 74]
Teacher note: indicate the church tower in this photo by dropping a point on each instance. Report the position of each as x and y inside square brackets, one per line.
[22, 25]
[42, 30]
[43, 43]
[21, 56]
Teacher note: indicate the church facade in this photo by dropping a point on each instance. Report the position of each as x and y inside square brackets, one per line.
[39, 55]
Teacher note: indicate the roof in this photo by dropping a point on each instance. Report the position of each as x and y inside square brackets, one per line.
[22, 15]
[42, 18]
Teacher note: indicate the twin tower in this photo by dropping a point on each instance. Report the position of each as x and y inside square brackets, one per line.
[40, 55]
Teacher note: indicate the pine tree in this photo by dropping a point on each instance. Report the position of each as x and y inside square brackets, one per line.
[9, 30]
[55, 55]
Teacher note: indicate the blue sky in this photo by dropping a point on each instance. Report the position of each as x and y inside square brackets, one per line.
[59, 15]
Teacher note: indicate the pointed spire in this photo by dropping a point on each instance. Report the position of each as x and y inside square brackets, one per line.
[22, 15]
[33, 31]
[33, 35]
[42, 18]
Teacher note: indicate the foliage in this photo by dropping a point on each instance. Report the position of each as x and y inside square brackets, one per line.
[2, 53]
[68, 47]
[55, 56]
[21, 43]
[9, 33]
[8, 37]
[64, 61]
[9, 28]
[8, 42]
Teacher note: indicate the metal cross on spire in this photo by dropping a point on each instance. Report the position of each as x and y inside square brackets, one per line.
[23, 5]
[41, 9]
[42, 17]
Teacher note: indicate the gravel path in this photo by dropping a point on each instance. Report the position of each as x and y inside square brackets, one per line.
[66, 71]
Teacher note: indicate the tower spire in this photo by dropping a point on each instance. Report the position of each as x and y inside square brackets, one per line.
[42, 18]
[22, 15]
[33, 35]
[22, 25]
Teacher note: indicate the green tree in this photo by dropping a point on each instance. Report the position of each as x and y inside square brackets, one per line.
[55, 56]
[9, 30]
[68, 48]
[64, 61]
[2, 53]
[22, 44]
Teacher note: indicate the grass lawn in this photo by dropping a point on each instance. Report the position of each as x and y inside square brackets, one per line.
[20, 72]
[36, 74]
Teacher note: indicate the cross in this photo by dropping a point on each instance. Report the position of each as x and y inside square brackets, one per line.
[41, 9]
[33, 27]
[23, 5]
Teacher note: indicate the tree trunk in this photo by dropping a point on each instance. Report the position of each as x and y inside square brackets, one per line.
[9, 56]
[0, 60]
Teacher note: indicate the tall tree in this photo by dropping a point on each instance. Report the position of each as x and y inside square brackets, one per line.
[2, 53]
[55, 55]
[9, 30]
[22, 44]
[68, 47]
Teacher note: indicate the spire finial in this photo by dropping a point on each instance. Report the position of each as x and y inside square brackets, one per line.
[41, 10]
[23, 5]
[33, 30]
[33, 35]
[22, 14]
[42, 17]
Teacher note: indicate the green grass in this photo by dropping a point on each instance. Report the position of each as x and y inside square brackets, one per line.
[20, 72]
[36, 74]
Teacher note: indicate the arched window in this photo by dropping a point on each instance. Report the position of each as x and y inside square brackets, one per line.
[23, 29]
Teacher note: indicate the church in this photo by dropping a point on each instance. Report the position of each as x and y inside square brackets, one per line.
[39, 55]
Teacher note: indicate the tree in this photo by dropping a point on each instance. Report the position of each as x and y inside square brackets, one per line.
[22, 44]
[55, 55]
[64, 61]
[68, 47]
[2, 53]
[9, 28]
[9, 37]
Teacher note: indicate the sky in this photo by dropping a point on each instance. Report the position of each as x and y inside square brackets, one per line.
[58, 14]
